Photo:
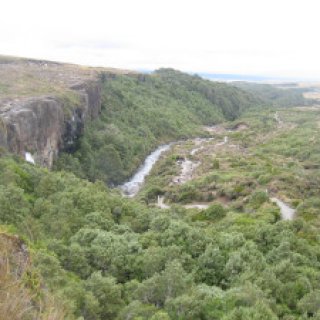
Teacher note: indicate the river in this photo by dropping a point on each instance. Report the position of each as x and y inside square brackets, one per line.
[131, 188]
[287, 213]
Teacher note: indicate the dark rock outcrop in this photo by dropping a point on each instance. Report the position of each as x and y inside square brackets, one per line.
[43, 126]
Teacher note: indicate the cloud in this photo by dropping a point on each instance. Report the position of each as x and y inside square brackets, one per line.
[230, 36]
[91, 44]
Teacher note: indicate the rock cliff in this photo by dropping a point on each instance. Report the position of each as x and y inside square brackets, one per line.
[39, 127]
[44, 105]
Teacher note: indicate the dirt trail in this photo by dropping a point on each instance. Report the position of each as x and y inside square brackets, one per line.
[197, 205]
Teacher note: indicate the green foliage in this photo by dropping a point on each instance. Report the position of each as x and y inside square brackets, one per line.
[257, 312]
[215, 164]
[13, 205]
[279, 97]
[310, 303]
[215, 212]
[110, 257]
[107, 294]
[258, 198]
[141, 112]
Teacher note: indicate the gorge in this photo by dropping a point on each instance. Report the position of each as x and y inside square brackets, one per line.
[221, 214]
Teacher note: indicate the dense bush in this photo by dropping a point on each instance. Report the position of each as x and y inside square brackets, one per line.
[140, 113]
[103, 256]
[108, 257]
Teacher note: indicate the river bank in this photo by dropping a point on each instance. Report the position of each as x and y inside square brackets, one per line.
[192, 153]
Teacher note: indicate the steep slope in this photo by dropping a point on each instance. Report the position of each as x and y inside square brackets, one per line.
[140, 112]
[44, 106]
[277, 96]
[21, 293]
[230, 101]
[110, 257]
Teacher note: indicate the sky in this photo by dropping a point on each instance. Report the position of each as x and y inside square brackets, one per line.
[276, 38]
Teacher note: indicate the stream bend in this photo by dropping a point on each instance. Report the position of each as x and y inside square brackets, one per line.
[131, 188]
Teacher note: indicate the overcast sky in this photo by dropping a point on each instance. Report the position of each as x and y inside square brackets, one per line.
[257, 37]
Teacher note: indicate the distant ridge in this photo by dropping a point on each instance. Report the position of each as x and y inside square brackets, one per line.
[229, 77]
[237, 77]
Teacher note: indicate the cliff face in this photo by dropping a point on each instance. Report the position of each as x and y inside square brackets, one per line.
[39, 127]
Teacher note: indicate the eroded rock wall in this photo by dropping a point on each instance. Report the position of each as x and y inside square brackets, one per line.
[43, 127]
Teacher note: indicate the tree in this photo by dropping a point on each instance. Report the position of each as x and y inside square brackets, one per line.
[13, 206]
[258, 312]
[107, 293]
[215, 212]
[211, 265]
[310, 303]
[169, 284]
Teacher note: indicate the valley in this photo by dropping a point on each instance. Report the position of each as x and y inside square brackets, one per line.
[181, 199]
[199, 172]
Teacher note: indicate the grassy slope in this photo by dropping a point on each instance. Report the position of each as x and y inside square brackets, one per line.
[22, 78]
[21, 295]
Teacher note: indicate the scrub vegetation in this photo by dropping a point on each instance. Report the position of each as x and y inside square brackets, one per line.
[141, 112]
[91, 253]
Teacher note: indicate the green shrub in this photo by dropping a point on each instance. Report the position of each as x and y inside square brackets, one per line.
[215, 212]
[258, 198]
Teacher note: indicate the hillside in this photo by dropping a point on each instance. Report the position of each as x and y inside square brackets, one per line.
[205, 237]
[278, 95]
[140, 112]
[22, 77]
[45, 105]
[104, 256]
[60, 100]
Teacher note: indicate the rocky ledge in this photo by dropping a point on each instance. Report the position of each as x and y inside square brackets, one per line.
[38, 128]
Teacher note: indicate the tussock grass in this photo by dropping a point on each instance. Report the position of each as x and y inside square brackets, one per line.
[20, 78]
[18, 300]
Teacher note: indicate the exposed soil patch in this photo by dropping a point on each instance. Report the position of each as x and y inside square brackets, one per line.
[218, 129]
[187, 169]
[198, 205]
